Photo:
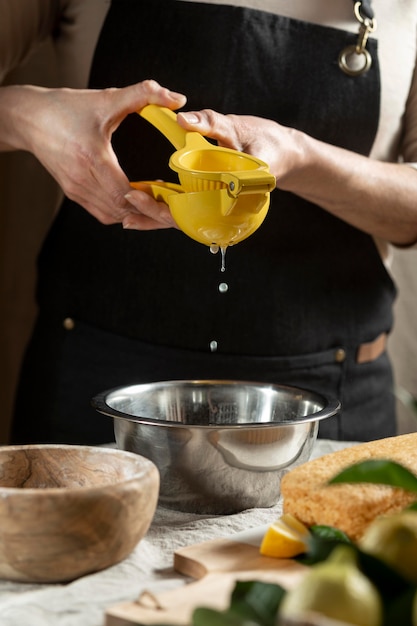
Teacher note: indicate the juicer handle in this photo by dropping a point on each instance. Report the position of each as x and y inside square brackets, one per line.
[165, 121]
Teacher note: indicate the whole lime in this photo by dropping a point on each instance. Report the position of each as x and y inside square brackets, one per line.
[393, 539]
[337, 589]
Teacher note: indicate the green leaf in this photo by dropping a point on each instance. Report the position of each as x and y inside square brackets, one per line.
[389, 582]
[210, 617]
[380, 472]
[319, 550]
[204, 616]
[323, 539]
[400, 609]
[330, 533]
[253, 603]
[257, 601]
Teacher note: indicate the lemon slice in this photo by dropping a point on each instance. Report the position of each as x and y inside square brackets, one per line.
[285, 538]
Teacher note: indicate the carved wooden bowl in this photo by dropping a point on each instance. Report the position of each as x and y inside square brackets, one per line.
[67, 511]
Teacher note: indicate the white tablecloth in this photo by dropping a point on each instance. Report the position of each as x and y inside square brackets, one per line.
[84, 601]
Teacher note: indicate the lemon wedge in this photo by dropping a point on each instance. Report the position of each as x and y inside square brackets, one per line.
[285, 538]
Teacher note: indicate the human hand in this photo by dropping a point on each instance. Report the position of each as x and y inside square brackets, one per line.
[260, 137]
[339, 181]
[70, 131]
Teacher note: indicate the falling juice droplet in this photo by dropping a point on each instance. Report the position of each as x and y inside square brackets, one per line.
[223, 287]
[214, 248]
[223, 251]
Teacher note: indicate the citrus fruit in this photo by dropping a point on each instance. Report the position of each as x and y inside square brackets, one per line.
[285, 538]
[337, 589]
[393, 539]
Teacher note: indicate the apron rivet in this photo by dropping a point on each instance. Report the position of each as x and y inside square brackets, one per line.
[68, 323]
[340, 355]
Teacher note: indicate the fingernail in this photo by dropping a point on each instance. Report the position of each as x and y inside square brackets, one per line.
[129, 226]
[128, 196]
[191, 118]
[177, 95]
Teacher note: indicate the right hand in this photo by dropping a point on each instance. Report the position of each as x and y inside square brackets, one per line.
[69, 131]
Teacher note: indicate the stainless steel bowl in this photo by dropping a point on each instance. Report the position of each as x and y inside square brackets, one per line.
[220, 446]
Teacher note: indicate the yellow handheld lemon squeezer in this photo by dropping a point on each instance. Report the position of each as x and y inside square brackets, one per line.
[223, 195]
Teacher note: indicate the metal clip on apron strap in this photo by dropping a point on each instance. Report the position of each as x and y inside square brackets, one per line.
[365, 8]
[355, 60]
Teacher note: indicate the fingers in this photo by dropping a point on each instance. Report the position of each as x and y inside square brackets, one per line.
[263, 138]
[148, 214]
[135, 97]
[110, 204]
[114, 205]
[154, 93]
[226, 129]
[78, 152]
[97, 183]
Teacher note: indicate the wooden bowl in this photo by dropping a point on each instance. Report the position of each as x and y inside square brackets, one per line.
[67, 511]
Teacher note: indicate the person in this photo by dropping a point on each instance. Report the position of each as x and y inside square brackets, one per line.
[317, 91]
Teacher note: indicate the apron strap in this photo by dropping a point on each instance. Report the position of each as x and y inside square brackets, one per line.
[365, 8]
[355, 60]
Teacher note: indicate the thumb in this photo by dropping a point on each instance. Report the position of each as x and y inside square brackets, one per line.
[210, 124]
[198, 121]
[135, 97]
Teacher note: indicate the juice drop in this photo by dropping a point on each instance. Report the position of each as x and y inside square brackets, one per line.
[214, 248]
[223, 251]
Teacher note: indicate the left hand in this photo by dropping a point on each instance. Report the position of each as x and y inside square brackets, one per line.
[379, 198]
[260, 137]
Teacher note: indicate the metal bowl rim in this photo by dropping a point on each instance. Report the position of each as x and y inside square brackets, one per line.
[330, 408]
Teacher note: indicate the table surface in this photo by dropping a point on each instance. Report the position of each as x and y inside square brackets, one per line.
[84, 602]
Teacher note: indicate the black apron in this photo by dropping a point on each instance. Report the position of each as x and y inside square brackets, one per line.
[152, 305]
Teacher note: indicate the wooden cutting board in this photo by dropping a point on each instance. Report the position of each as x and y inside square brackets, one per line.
[216, 566]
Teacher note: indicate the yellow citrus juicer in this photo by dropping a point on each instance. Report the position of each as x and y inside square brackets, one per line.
[223, 196]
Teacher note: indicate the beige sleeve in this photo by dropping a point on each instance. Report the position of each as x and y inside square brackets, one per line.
[409, 141]
[23, 26]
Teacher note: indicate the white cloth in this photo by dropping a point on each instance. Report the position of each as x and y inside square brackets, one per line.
[149, 567]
